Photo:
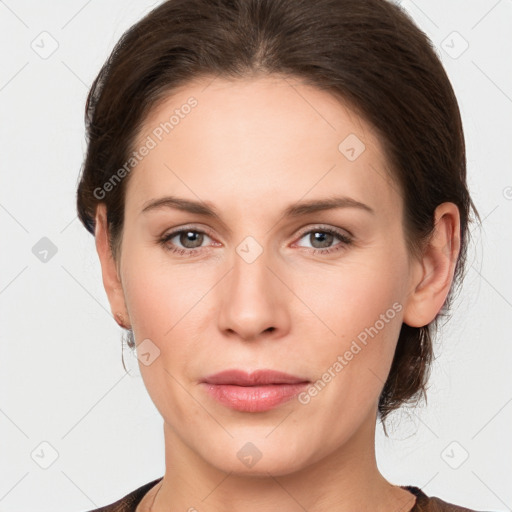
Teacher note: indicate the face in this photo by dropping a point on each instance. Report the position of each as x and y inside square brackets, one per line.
[263, 284]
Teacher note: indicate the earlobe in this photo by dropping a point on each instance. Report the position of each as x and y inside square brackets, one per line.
[109, 271]
[433, 274]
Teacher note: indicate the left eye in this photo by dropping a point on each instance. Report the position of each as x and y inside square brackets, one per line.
[323, 238]
[189, 238]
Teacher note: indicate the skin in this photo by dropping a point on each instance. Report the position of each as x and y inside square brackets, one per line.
[251, 148]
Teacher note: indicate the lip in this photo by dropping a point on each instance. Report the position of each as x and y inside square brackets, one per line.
[258, 391]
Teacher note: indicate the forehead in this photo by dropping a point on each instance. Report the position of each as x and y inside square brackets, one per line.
[247, 139]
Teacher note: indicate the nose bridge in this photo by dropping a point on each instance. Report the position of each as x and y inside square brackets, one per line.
[251, 302]
[250, 273]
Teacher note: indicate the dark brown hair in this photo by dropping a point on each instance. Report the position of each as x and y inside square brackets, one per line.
[369, 53]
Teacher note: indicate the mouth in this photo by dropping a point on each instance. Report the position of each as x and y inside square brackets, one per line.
[258, 391]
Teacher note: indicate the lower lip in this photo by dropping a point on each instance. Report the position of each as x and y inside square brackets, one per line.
[254, 398]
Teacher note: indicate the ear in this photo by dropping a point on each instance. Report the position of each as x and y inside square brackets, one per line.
[109, 267]
[432, 275]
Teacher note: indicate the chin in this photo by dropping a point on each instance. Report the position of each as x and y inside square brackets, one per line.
[258, 456]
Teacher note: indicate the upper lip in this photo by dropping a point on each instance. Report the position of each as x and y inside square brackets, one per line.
[256, 378]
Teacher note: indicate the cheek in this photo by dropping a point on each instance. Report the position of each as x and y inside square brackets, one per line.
[158, 292]
[169, 304]
[165, 304]
[353, 297]
[360, 308]
[349, 369]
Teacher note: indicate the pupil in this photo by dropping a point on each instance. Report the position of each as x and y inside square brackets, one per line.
[324, 238]
[188, 237]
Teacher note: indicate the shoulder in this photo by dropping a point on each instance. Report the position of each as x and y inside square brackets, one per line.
[426, 503]
[129, 502]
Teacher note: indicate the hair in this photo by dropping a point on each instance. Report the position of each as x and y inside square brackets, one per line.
[367, 53]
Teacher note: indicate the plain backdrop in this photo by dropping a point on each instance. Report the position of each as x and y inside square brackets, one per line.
[77, 431]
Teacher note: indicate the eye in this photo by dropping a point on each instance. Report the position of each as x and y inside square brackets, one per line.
[184, 240]
[321, 239]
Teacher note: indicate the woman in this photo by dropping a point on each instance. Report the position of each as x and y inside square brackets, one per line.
[277, 190]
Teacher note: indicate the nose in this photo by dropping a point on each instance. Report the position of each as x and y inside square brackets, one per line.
[253, 301]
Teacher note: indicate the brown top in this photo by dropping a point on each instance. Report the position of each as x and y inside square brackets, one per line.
[423, 502]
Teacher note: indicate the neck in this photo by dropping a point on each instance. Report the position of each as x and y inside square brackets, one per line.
[345, 480]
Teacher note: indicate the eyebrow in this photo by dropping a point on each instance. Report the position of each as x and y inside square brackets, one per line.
[295, 210]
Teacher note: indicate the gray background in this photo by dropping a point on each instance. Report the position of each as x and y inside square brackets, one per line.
[76, 431]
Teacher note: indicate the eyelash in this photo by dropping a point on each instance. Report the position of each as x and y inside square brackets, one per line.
[345, 240]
